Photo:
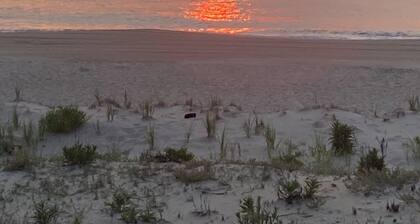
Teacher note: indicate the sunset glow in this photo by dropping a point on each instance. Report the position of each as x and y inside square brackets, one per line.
[217, 10]
[224, 15]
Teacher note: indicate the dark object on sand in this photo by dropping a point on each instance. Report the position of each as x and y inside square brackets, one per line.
[190, 115]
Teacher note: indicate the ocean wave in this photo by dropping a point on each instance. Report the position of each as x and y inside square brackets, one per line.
[345, 35]
[300, 34]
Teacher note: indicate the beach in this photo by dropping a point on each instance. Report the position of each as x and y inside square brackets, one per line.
[297, 87]
[267, 73]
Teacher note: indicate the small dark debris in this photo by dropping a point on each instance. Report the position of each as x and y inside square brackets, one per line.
[190, 115]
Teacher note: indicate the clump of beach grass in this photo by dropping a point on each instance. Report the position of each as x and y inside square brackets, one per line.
[22, 159]
[287, 156]
[18, 93]
[290, 190]
[120, 200]
[414, 103]
[322, 158]
[259, 125]
[199, 174]
[79, 154]
[210, 124]
[378, 180]
[215, 102]
[371, 161]
[247, 127]
[342, 138]
[150, 137]
[223, 146]
[7, 140]
[188, 134]
[413, 148]
[272, 144]
[257, 213]
[28, 134]
[127, 101]
[64, 119]
[45, 213]
[98, 97]
[110, 112]
[15, 118]
[147, 109]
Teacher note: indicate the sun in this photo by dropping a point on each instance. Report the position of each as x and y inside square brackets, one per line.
[217, 11]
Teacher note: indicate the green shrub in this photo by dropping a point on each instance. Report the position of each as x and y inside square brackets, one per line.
[414, 103]
[170, 155]
[45, 214]
[322, 162]
[377, 180]
[256, 213]
[22, 159]
[341, 138]
[290, 191]
[148, 216]
[413, 147]
[371, 161]
[311, 188]
[120, 200]
[147, 110]
[194, 175]
[150, 137]
[287, 157]
[79, 154]
[6, 140]
[271, 142]
[247, 127]
[210, 123]
[63, 119]
[179, 155]
[129, 215]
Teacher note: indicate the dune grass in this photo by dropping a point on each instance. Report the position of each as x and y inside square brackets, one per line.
[79, 154]
[64, 119]
[210, 124]
[342, 138]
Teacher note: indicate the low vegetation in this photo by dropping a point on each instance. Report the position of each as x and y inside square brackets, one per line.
[210, 124]
[79, 154]
[150, 137]
[169, 155]
[414, 103]
[272, 144]
[322, 162]
[290, 190]
[342, 138]
[376, 180]
[120, 200]
[287, 156]
[372, 161]
[247, 127]
[63, 119]
[252, 212]
[147, 110]
[45, 213]
[21, 159]
[413, 147]
[199, 174]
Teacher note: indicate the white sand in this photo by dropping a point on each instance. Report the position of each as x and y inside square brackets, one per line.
[270, 74]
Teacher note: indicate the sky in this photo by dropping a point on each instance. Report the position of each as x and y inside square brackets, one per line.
[213, 15]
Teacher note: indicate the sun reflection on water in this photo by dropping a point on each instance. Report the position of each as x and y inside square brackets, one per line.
[223, 16]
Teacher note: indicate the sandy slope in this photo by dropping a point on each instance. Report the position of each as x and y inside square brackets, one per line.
[73, 187]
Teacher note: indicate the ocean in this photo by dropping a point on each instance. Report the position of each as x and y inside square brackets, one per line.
[325, 19]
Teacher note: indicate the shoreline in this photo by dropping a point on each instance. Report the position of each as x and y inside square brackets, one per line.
[310, 34]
